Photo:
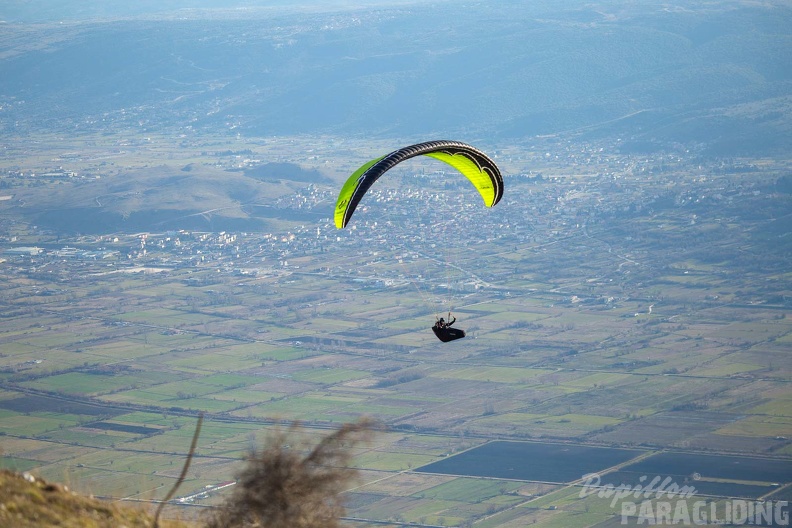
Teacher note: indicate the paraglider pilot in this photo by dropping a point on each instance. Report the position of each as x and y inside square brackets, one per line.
[442, 324]
[444, 332]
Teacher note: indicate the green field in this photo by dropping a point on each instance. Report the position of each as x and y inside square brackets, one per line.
[583, 330]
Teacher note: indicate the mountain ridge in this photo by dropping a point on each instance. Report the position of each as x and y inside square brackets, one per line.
[718, 75]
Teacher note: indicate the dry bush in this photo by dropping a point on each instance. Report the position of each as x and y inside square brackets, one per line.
[287, 484]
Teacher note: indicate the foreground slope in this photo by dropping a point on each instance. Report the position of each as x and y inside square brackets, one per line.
[27, 501]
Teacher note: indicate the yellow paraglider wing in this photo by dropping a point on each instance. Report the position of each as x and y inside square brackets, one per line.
[347, 191]
[470, 161]
[481, 180]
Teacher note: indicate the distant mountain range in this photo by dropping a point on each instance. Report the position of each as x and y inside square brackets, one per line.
[714, 74]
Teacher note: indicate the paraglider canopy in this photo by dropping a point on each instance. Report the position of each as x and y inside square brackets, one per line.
[471, 162]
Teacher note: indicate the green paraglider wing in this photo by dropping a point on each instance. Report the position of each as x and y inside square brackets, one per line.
[468, 160]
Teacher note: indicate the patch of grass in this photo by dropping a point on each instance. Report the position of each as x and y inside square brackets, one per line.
[469, 490]
[329, 376]
[758, 426]
[494, 374]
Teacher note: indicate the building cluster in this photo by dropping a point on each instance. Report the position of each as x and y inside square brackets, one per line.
[419, 215]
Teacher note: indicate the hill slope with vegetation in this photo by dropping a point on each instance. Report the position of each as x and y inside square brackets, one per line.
[30, 502]
[285, 483]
